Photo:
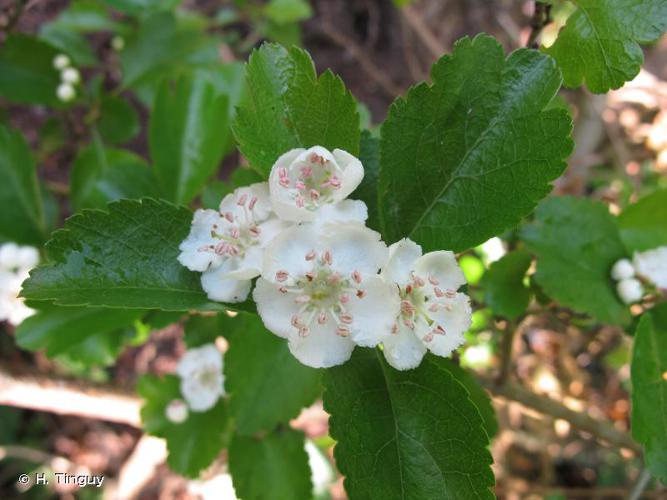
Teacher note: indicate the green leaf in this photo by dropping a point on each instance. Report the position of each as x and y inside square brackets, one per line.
[262, 399]
[368, 189]
[412, 434]
[87, 16]
[142, 7]
[215, 191]
[119, 121]
[288, 11]
[184, 136]
[201, 330]
[124, 257]
[643, 225]
[576, 242]
[465, 158]
[600, 42]
[27, 75]
[273, 467]
[69, 42]
[91, 335]
[504, 290]
[100, 175]
[288, 106]
[22, 214]
[193, 444]
[649, 389]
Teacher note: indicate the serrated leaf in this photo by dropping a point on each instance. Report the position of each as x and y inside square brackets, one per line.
[22, 216]
[412, 434]
[465, 158]
[100, 175]
[124, 257]
[193, 444]
[27, 75]
[649, 389]
[91, 335]
[600, 42]
[215, 191]
[268, 386]
[643, 225]
[288, 106]
[273, 467]
[504, 290]
[119, 121]
[69, 42]
[367, 191]
[184, 136]
[576, 242]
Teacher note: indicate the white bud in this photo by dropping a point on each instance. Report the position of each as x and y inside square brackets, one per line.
[630, 290]
[176, 411]
[60, 62]
[70, 75]
[65, 92]
[9, 255]
[118, 43]
[622, 270]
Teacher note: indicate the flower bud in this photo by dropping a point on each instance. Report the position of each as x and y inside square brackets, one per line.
[118, 43]
[70, 75]
[630, 290]
[622, 270]
[60, 62]
[65, 92]
[176, 411]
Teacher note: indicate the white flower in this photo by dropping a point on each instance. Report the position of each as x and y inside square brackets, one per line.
[202, 381]
[302, 181]
[652, 266]
[65, 92]
[60, 62]
[15, 265]
[320, 290]
[622, 269]
[433, 315]
[227, 246]
[630, 290]
[493, 249]
[176, 411]
[70, 75]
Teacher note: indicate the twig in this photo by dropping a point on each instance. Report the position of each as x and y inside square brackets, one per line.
[373, 71]
[598, 428]
[417, 23]
[641, 484]
[69, 398]
[541, 17]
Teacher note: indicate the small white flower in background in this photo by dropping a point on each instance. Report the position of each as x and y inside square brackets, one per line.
[623, 269]
[118, 43]
[630, 290]
[202, 381]
[652, 266]
[227, 246]
[303, 181]
[15, 265]
[433, 315]
[65, 92]
[60, 62]
[70, 75]
[176, 411]
[493, 249]
[320, 290]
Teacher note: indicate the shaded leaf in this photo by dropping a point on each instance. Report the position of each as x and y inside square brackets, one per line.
[368, 189]
[643, 225]
[504, 290]
[119, 121]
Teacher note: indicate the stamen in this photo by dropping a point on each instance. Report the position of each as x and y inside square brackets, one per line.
[438, 293]
[407, 307]
[327, 258]
[361, 294]
[282, 172]
[234, 250]
[322, 318]
[295, 321]
[229, 216]
[433, 281]
[344, 298]
[311, 255]
[434, 307]
[282, 289]
[356, 276]
[300, 185]
[302, 299]
[418, 282]
[284, 182]
[281, 275]
[450, 294]
[334, 279]
[221, 248]
[439, 330]
[306, 171]
[346, 318]
[300, 202]
[304, 331]
[314, 194]
[255, 231]
[394, 329]
[235, 233]
[242, 199]
[252, 203]
[408, 289]
[428, 337]
[343, 331]
[409, 323]
[310, 276]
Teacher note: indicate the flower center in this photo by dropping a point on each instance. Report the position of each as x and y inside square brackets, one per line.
[322, 294]
[241, 233]
[312, 182]
[208, 378]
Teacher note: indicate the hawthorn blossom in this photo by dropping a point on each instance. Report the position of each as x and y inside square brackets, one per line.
[433, 315]
[622, 269]
[630, 290]
[305, 181]
[227, 245]
[652, 266]
[15, 265]
[202, 380]
[176, 411]
[320, 290]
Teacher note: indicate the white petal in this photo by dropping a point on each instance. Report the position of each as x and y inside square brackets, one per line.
[194, 359]
[191, 255]
[353, 173]
[630, 290]
[354, 247]
[27, 258]
[248, 267]
[220, 287]
[622, 269]
[275, 308]
[403, 350]
[455, 322]
[282, 199]
[288, 250]
[201, 397]
[344, 211]
[652, 265]
[262, 208]
[442, 266]
[374, 314]
[271, 228]
[322, 348]
[9, 255]
[401, 261]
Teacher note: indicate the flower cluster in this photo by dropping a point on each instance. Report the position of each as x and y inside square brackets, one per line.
[202, 382]
[69, 78]
[15, 265]
[326, 282]
[649, 266]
